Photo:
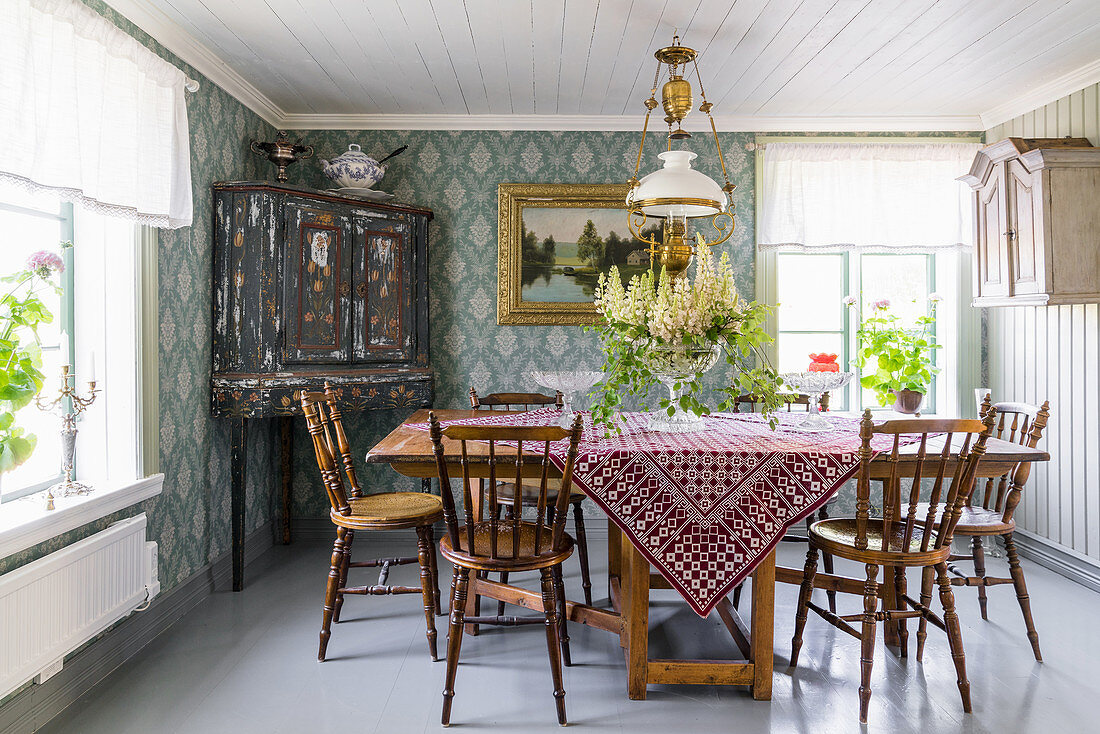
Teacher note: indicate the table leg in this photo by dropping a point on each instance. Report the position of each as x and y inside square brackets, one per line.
[286, 471]
[636, 623]
[763, 627]
[238, 461]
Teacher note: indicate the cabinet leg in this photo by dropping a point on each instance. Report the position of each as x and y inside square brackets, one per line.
[286, 470]
[238, 461]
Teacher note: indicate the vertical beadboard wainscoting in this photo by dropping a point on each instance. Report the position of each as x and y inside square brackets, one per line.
[1050, 353]
[54, 605]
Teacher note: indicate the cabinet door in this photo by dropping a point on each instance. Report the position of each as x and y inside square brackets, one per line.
[316, 294]
[1024, 231]
[991, 251]
[382, 302]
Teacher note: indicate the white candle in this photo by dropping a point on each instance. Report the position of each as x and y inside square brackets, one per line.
[92, 369]
[64, 348]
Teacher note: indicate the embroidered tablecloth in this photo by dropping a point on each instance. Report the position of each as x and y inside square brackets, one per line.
[705, 508]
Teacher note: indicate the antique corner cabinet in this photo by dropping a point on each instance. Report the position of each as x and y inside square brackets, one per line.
[312, 287]
[1036, 222]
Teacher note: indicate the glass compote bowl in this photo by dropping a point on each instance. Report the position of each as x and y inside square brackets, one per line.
[677, 364]
[814, 384]
[568, 383]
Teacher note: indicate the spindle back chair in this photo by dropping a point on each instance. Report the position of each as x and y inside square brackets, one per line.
[789, 399]
[506, 490]
[991, 512]
[512, 543]
[908, 534]
[353, 511]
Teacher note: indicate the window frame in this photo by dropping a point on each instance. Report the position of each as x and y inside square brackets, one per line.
[955, 268]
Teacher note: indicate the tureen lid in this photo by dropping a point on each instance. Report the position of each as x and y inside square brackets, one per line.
[354, 154]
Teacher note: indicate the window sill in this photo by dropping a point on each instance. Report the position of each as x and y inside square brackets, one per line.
[26, 522]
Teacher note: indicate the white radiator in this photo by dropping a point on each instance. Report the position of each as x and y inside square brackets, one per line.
[52, 606]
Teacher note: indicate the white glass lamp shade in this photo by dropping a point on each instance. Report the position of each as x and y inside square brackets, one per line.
[678, 190]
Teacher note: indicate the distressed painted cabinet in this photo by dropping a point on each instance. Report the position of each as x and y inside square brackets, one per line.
[1036, 222]
[312, 287]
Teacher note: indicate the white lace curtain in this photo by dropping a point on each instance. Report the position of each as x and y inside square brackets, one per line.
[870, 196]
[92, 115]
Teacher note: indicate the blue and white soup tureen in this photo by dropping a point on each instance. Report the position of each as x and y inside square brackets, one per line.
[354, 169]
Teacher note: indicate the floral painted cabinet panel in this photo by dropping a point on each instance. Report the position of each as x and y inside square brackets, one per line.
[316, 286]
[382, 298]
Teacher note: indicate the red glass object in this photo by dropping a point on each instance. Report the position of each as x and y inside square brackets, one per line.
[823, 363]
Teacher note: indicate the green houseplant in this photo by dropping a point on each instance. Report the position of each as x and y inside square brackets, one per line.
[895, 360]
[674, 332]
[21, 377]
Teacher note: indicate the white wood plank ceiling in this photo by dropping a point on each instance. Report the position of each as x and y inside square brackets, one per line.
[760, 59]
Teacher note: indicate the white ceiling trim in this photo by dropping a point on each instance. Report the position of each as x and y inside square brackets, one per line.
[1043, 94]
[725, 123]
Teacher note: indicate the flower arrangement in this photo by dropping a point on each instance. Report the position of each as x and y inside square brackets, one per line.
[645, 322]
[21, 378]
[892, 357]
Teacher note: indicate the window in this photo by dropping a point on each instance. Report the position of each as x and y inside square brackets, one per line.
[91, 321]
[811, 316]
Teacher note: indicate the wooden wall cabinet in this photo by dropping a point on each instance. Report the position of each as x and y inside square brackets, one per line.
[312, 287]
[1036, 222]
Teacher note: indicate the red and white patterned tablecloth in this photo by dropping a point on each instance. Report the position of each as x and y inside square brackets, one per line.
[705, 508]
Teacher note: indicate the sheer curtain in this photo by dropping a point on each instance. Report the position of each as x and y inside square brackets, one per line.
[887, 197]
[91, 114]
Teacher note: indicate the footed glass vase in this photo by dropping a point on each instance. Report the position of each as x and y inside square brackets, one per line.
[675, 365]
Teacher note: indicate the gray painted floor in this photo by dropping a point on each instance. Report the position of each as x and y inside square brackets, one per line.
[246, 663]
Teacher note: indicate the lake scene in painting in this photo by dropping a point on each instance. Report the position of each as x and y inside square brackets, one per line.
[564, 250]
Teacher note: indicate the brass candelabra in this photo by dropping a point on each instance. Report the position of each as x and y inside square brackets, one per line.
[68, 410]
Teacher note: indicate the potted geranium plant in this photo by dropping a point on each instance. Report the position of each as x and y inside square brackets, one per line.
[896, 360]
[672, 333]
[21, 312]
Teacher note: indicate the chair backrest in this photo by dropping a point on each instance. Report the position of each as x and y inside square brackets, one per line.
[963, 446]
[504, 535]
[513, 400]
[329, 442]
[789, 399]
[1024, 424]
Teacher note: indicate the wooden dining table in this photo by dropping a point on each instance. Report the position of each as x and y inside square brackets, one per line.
[408, 450]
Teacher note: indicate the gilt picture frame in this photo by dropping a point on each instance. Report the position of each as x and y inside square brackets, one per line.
[554, 241]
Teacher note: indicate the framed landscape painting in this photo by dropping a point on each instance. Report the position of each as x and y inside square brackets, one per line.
[554, 242]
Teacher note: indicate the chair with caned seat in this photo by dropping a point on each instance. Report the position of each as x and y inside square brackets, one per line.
[354, 511]
[510, 544]
[790, 400]
[525, 401]
[989, 513]
[901, 539]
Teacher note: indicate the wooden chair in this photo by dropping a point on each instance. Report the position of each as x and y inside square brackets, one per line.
[822, 513]
[353, 511]
[992, 513]
[512, 544]
[505, 490]
[901, 540]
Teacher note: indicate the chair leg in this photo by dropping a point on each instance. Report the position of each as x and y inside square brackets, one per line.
[1017, 574]
[899, 594]
[425, 551]
[582, 551]
[867, 648]
[954, 634]
[503, 574]
[737, 595]
[550, 609]
[563, 617]
[826, 561]
[979, 570]
[454, 637]
[349, 536]
[804, 593]
[430, 532]
[926, 601]
[335, 566]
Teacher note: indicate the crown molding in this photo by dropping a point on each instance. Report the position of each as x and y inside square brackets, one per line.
[725, 123]
[1043, 94]
[176, 39]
